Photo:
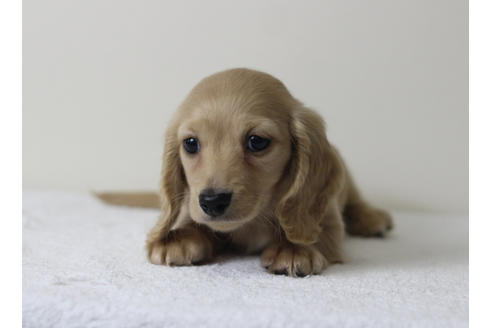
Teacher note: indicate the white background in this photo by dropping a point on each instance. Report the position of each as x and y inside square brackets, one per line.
[101, 79]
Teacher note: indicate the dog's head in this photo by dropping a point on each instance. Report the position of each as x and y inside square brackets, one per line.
[241, 146]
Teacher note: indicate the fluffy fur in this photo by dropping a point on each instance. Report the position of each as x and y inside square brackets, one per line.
[291, 202]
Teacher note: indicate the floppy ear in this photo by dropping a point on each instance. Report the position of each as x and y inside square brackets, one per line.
[172, 187]
[316, 177]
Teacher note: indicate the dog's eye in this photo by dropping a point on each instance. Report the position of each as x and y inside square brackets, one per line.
[191, 145]
[256, 143]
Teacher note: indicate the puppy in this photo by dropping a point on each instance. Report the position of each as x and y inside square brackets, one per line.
[248, 167]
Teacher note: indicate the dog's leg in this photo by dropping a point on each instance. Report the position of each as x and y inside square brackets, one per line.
[188, 245]
[361, 219]
[284, 257]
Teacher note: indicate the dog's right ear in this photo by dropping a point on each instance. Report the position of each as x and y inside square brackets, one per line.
[172, 187]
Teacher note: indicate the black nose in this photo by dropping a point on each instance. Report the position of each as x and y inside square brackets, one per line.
[213, 203]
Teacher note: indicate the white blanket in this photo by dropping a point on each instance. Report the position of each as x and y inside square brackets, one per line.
[84, 265]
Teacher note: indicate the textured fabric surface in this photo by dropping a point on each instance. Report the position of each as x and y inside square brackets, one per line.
[84, 265]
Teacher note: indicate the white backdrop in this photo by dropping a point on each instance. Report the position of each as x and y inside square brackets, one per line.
[102, 77]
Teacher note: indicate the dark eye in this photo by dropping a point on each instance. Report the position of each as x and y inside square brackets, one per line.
[256, 143]
[191, 145]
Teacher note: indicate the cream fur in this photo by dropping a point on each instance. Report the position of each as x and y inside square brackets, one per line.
[292, 201]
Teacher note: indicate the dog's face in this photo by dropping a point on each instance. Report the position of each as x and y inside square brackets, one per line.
[233, 151]
[240, 147]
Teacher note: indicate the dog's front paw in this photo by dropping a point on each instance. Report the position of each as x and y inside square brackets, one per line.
[181, 247]
[293, 260]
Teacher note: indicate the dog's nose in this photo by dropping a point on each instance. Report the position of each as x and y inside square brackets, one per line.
[214, 203]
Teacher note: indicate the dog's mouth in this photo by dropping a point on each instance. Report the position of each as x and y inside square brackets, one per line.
[224, 225]
[225, 220]
[221, 218]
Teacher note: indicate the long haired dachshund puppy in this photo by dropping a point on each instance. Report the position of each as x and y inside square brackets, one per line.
[248, 167]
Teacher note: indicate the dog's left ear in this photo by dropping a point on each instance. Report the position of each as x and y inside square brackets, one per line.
[316, 177]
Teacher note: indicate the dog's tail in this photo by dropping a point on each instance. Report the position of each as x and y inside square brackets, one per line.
[132, 199]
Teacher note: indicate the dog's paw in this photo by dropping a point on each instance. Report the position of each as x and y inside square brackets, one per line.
[367, 221]
[293, 260]
[181, 247]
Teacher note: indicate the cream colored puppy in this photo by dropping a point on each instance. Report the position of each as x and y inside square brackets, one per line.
[248, 167]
